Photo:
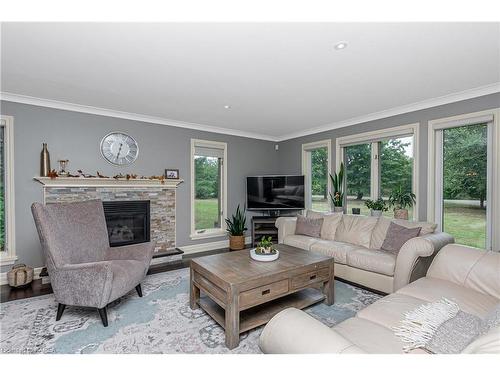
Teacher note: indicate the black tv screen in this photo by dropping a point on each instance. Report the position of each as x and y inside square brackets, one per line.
[275, 193]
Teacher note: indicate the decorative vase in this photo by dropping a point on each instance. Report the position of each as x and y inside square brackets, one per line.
[376, 213]
[236, 242]
[401, 213]
[338, 209]
[44, 161]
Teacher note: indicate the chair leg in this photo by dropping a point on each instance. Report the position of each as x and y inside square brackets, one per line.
[104, 316]
[60, 310]
[139, 290]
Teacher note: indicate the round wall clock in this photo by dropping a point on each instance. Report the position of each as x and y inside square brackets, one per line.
[119, 148]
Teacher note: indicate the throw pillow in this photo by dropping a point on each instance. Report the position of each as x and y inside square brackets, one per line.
[308, 227]
[331, 221]
[396, 236]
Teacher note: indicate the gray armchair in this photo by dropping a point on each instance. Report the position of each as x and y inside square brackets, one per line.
[84, 270]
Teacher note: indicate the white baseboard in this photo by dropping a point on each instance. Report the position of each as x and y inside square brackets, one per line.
[199, 248]
[36, 275]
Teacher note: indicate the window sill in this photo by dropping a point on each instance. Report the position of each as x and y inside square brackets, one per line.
[200, 236]
[6, 260]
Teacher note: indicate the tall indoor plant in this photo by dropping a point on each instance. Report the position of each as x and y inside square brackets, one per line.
[337, 197]
[401, 200]
[236, 227]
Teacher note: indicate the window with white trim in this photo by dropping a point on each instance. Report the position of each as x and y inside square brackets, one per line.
[208, 188]
[378, 162]
[7, 219]
[316, 167]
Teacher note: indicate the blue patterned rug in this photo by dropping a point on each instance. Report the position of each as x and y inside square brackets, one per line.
[160, 322]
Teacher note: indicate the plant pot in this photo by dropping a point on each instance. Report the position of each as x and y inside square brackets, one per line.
[401, 214]
[376, 213]
[236, 242]
[338, 209]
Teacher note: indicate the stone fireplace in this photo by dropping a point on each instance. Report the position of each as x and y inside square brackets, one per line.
[160, 197]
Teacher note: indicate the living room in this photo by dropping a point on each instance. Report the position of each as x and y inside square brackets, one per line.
[250, 188]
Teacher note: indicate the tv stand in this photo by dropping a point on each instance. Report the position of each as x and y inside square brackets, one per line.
[264, 226]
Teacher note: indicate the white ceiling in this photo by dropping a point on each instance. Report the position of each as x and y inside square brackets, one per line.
[281, 80]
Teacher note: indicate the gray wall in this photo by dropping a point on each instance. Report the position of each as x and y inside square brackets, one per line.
[290, 151]
[76, 136]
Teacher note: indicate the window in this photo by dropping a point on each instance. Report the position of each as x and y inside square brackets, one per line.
[7, 232]
[208, 188]
[376, 163]
[316, 169]
[461, 175]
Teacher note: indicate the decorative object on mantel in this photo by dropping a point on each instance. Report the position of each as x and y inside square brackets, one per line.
[52, 174]
[172, 174]
[20, 276]
[236, 227]
[63, 163]
[44, 161]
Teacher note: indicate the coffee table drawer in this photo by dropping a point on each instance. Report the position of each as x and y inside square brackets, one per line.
[263, 294]
[309, 278]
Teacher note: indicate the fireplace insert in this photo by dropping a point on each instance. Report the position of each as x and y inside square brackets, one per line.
[127, 222]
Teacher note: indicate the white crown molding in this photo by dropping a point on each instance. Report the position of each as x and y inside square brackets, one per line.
[66, 106]
[424, 104]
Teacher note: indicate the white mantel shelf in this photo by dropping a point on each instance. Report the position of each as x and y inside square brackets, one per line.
[106, 182]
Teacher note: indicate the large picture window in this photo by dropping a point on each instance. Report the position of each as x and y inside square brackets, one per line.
[377, 163]
[208, 188]
[7, 219]
[316, 158]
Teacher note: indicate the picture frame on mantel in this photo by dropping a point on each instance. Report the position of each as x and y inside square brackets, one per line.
[172, 174]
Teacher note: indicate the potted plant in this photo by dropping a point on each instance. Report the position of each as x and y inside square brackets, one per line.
[236, 229]
[337, 197]
[401, 200]
[265, 246]
[376, 207]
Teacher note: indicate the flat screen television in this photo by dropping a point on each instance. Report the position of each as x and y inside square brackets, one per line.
[275, 193]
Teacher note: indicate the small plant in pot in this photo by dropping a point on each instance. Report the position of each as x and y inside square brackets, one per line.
[401, 200]
[236, 227]
[376, 207]
[265, 246]
[337, 197]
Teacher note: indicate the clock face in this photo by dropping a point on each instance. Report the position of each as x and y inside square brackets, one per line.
[119, 148]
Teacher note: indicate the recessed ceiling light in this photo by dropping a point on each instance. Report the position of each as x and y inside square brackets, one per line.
[341, 45]
[227, 107]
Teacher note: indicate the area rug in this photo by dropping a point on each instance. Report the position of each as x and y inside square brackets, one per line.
[160, 322]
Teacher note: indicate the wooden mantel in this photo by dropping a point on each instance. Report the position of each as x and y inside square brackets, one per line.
[106, 182]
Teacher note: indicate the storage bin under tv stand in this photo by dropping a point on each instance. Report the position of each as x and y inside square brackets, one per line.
[264, 226]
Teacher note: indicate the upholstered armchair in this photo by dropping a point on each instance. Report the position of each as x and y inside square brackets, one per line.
[84, 270]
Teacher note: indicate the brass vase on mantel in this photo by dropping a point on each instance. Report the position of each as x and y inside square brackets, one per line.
[44, 161]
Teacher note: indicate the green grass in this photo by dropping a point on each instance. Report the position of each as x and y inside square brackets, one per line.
[205, 213]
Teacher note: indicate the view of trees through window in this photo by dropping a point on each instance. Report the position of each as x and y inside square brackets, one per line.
[319, 179]
[207, 192]
[464, 183]
[358, 176]
[2, 189]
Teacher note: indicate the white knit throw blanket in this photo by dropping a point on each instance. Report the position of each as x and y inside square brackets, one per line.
[420, 325]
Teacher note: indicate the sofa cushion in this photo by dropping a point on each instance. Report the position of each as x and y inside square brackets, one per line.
[389, 311]
[331, 221]
[337, 250]
[396, 237]
[356, 229]
[300, 241]
[380, 230]
[377, 261]
[308, 227]
[470, 301]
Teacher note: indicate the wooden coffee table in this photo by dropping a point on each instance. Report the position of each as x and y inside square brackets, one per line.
[240, 293]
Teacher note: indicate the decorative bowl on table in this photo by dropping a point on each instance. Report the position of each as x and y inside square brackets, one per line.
[264, 255]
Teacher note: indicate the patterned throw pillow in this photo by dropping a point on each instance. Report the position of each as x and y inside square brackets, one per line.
[308, 227]
[396, 236]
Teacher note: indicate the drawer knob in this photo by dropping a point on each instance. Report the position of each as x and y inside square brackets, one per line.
[312, 277]
[267, 291]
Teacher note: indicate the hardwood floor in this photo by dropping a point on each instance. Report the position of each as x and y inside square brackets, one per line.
[38, 289]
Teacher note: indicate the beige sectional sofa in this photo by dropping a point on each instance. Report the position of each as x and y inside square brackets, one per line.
[468, 276]
[354, 242]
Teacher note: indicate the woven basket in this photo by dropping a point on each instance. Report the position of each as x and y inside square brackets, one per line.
[20, 275]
